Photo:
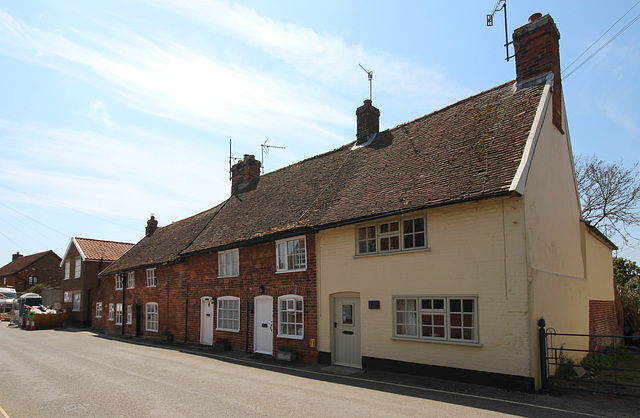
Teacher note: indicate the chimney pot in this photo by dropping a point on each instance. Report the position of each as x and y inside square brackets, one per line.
[535, 16]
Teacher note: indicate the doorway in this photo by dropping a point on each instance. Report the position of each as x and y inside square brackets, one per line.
[206, 320]
[346, 332]
[263, 325]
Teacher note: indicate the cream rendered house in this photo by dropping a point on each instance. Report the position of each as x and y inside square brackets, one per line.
[467, 232]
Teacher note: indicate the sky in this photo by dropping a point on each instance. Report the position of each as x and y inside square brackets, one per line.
[113, 110]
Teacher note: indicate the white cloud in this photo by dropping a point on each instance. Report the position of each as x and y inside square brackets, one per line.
[98, 111]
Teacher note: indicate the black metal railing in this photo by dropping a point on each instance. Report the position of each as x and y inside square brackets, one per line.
[609, 365]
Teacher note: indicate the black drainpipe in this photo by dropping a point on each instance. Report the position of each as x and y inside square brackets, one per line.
[246, 344]
[122, 314]
[186, 316]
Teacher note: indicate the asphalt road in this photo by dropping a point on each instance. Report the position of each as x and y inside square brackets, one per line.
[79, 373]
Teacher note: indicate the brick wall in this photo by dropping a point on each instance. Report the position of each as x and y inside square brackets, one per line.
[605, 318]
[47, 269]
[180, 288]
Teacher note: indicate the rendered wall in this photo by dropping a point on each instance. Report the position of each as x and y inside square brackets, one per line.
[557, 248]
[474, 249]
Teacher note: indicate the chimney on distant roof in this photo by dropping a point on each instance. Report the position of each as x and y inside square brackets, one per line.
[152, 225]
[368, 121]
[16, 256]
[243, 172]
[537, 52]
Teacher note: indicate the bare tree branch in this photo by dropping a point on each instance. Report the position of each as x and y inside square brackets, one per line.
[609, 196]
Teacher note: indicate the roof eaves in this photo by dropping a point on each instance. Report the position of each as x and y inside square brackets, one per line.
[599, 235]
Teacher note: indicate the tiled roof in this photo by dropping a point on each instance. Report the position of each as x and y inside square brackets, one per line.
[165, 245]
[469, 150]
[94, 249]
[23, 262]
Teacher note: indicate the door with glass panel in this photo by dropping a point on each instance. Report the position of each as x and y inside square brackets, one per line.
[346, 332]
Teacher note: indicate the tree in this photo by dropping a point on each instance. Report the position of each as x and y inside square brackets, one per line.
[627, 277]
[609, 195]
[38, 288]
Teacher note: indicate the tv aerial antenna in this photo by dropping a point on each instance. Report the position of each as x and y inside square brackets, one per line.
[265, 150]
[501, 5]
[232, 159]
[370, 76]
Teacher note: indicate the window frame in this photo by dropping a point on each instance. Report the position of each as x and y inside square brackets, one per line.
[67, 269]
[382, 232]
[111, 312]
[131, 280]
[221, 311]
[78, 270]
[129, 314]
[98, 309]
[155, 320]
[286, 299]
[153, 278]
[119, 314]
[119, 281]
[282, 262]
[223, 265]
[451, 326]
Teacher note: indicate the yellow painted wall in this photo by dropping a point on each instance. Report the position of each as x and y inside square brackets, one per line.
[558, 249]
[468, 244]
[599, 268]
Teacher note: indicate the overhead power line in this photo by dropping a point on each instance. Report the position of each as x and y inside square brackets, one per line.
[635, 19]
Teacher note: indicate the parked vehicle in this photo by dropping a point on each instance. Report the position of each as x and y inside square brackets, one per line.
[8, 297]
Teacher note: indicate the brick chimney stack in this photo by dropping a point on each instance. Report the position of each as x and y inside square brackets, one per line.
[368, 121]
[537, 53]
[243, 172]
[152, 225]
[16, 256]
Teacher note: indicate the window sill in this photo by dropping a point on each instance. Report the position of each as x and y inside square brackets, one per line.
[151, 286]
[291, 337]
[418, 340]
[224, 277]
[417, 250]
[151, 330]
[227, 330]
[290, 271]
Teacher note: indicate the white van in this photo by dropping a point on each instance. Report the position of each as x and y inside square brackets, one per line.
[8, 296]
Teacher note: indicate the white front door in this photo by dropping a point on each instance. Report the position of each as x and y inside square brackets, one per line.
[263, 325]
[206, 321]
[346, 332]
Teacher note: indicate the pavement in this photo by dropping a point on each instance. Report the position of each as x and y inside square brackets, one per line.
[554, 403]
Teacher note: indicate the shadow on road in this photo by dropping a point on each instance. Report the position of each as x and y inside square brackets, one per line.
[474, 396]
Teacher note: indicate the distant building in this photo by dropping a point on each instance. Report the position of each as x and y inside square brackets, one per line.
[26, 270]
[79, 268]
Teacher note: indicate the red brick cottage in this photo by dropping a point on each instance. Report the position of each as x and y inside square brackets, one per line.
[25, 271]
[82, 262]
[237, 273]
